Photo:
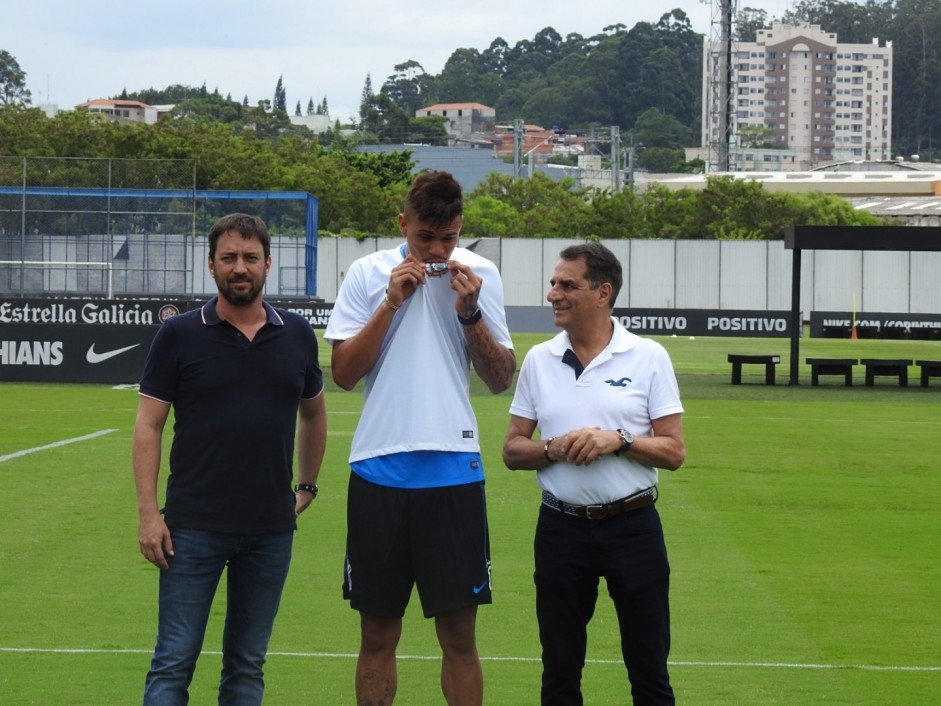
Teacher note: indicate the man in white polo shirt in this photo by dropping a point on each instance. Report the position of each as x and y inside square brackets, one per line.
[411, 321]
[607, 407]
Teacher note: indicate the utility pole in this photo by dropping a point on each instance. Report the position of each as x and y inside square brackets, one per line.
[631, 151]
[616, 158]
[518, 149]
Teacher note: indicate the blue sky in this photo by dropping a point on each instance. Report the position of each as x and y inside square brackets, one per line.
[75, 50]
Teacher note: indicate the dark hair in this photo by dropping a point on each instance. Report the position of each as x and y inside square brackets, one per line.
[243, 224]
[601, 265]
[435, 198]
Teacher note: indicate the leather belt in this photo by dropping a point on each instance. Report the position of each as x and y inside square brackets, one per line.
[599, 512]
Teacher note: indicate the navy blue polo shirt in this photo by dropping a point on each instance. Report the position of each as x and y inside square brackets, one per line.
[235, 411]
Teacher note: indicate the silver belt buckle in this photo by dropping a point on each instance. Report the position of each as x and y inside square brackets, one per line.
[590, 511]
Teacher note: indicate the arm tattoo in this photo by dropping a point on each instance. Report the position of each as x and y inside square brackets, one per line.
[493, 363]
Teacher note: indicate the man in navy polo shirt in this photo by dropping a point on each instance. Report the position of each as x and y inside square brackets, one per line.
[242, 378]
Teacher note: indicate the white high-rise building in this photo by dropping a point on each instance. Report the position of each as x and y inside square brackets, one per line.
[797, 89]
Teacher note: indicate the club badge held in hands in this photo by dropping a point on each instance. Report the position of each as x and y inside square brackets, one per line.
[436, 269]
[414, 271]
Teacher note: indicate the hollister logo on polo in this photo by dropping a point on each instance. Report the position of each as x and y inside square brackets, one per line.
[619, 383]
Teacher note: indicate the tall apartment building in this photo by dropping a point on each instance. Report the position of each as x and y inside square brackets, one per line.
[818, 101]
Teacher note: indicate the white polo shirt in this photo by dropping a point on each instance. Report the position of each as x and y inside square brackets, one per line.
[628, 384]
[416, 397]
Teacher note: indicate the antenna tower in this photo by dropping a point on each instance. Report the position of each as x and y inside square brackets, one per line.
[720, 59]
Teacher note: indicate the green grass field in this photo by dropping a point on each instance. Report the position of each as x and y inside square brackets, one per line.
[803, 532]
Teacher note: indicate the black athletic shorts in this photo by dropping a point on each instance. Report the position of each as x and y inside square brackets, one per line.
[433, 538]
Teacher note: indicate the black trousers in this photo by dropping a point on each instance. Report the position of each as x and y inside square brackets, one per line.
[571, 555]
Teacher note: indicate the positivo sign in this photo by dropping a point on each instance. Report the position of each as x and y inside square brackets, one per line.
[706, 322]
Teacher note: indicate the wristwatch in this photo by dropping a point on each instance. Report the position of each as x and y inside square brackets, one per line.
[307, 488]
[627, 439]
[472, 319]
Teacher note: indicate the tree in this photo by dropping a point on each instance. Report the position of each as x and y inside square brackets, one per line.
[369, 118]
[367, 92]
[848, 20]
[655, 129]
[467, 77]
[13, 89]
[310, 107]
[747, 23]
[428, 130]
[213, 108]
[661, 160]
[297, 110]
[917, 59]
[408, 87]
[176, 93]
[280, 97]
[663, 84]
[388, 167]
[488, 217]
[266, 122]
[544, 207]
[757, 136]
[383, 120]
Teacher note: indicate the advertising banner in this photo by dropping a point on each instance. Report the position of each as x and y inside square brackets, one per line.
[96, 340]
[706, 322]
[654, 322]
[79, 339]
[93, 353]
[109, 312]
[840, 324]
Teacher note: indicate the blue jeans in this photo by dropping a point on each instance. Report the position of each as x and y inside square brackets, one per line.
[257, 568]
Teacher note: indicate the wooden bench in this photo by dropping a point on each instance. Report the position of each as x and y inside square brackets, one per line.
[738, 360]
[929, 369]
[831, 366]
[886, 367]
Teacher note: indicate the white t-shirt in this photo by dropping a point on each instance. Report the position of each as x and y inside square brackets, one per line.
[416, 397]
[628, 384]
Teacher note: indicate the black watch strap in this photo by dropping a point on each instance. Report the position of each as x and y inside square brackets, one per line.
[307, 488]
[472, 319]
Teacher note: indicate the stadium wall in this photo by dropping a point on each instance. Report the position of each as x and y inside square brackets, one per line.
[703, 288]
[696, 274]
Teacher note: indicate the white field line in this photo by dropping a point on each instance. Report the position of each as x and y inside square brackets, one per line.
[55, 444]
[343, 655]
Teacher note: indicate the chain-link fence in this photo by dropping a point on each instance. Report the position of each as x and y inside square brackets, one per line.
[116, 227]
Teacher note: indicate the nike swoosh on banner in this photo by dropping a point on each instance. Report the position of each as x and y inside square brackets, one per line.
[93, 357]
